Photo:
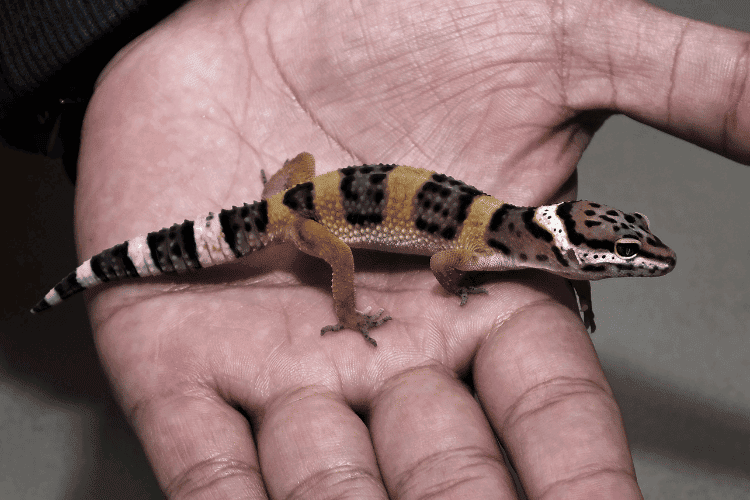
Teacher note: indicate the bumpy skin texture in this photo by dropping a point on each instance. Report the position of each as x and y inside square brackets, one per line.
[394, 209]
[222, 374]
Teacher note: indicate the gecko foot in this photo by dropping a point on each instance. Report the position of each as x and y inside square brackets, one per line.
[582, 289]
[465, 291]
[588, 319]
[363, 325]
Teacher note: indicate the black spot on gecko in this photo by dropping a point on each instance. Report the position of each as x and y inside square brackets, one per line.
[533, 227]
[113, 264]
[593, 268]
[655, 242]
[363, 194]
[67, 287]
[234, 226]
[650, 256]
[564, 212]
[187, 238]
[499, 246]
[592, 223]
[442, 205]
[448, 233]
[362, 219]
[300, 199]
[346, 188]
[559, 256]
[497, 218]
[42, 305]
[157, 246]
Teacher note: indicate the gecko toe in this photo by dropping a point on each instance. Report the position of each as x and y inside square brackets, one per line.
[364, 324]
[331, 328]
[464, 293]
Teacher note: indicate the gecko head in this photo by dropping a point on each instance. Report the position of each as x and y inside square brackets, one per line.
[603, 242]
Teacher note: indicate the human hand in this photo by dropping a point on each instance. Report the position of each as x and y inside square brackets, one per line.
[223, 374]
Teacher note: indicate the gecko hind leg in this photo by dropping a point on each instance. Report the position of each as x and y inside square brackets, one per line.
[370, 321]
[299, 169]
[315, 239]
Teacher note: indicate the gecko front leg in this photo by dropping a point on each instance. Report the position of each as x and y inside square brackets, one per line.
[446, 266]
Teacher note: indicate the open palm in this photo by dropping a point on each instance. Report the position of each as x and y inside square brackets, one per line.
[223, 374]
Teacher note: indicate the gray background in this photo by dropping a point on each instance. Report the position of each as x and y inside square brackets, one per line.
[675, 349]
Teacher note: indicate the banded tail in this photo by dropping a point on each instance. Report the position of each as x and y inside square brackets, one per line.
[209, 240]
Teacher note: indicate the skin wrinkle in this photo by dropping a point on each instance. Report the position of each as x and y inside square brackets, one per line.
[580, 477]
[541, 302]
[429, 463]
[334, 477]
[611, 75]
[560, 37]
[740, 73]
[186, 391]
[673, 73]
[563, 389]
[298, 98]
[210, 472]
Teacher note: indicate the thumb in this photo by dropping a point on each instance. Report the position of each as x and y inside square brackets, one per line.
[687, 78]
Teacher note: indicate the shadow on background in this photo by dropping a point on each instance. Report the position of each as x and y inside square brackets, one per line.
[687, 428]
[48, 362]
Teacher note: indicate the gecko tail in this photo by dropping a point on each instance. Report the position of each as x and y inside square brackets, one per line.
[186, 246]
[40, 306]
[112, 264]
[67, 287]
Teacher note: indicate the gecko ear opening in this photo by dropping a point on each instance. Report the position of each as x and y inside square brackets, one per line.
[627, 248]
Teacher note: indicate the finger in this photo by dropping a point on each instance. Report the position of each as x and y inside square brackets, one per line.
[199, 447]
[312, 445]
[687, 78]
[432, 440]
[555, 413]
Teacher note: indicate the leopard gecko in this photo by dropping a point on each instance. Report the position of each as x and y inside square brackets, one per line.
[398, 209]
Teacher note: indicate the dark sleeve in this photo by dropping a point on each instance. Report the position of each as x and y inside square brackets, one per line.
[51, 52]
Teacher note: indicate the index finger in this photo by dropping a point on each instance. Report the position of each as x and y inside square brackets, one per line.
[555, 415]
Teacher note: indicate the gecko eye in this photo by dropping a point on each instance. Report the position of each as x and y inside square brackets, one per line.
[627, 248]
